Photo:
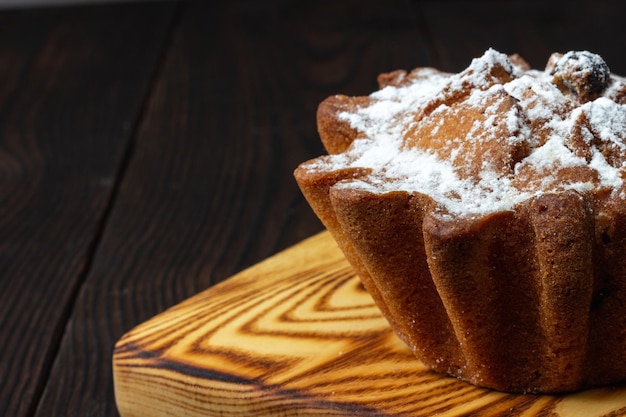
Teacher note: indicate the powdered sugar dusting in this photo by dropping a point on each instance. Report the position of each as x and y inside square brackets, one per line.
[540, 128]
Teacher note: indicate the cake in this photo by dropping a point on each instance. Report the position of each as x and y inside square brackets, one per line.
[485, 213]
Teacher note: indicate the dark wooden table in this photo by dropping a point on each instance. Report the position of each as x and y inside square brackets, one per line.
[147, 150]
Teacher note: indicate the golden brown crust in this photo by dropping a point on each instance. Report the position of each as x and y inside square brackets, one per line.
[373, 223]
[528, 299]
[315, 186]
[520, 62]
[461, 118]
[395, 78]
[336, 134]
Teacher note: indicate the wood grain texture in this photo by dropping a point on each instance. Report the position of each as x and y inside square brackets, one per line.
[66, 116]
[462, 30]
[209, 188]
[296, 335]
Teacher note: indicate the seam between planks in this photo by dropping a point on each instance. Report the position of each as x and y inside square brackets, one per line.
[101, 226]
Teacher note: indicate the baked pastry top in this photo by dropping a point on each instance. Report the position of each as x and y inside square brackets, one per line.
[485, 213]
[484, 139]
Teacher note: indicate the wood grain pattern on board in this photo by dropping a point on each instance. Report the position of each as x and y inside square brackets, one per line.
[297, 335]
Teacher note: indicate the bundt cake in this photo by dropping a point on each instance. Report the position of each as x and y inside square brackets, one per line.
[485, 213]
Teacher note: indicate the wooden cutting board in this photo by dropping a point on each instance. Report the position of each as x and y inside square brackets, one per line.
[297, 335]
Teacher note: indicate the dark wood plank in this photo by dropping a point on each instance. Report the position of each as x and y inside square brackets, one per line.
[462, 30]
[73, 80]
[209, 189]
